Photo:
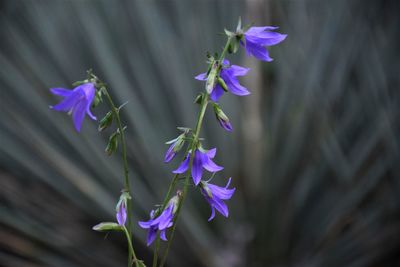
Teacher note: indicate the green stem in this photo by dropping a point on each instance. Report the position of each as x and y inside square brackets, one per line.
[131, 250]
[194, 143]
[127, 187]
[192, 147]
[155, 256]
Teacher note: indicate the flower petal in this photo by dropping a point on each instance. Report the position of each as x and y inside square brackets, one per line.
[145, 225]
[233, 84]
[201, 77]
[216, 93]
[221, 192]
[220, 206]
[61, 91]
[257, 30]
[197, 170]
[163, 235]
[184, 165]
[210, 165]
[258, 51]
[151, 236]
[211, 152]
[78, 115]
[212, 213]
[68, 102]
[238, 70]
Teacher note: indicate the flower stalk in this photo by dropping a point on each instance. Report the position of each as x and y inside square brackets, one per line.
[127, 188]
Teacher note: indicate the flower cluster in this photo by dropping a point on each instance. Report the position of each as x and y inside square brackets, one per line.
[222, 76]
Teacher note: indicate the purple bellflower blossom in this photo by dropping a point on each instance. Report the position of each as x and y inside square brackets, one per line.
[121, 214]
[201, 160]
[229, 74]
[161, 223]
[257, 39]
[215, 196]
[76, 101]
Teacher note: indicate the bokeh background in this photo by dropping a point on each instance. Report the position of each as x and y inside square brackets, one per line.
[314, 154]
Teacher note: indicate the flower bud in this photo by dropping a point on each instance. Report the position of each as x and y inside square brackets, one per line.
[106, 121]
[112, 143]
[107, 226]
[222, 118]
[175, 146]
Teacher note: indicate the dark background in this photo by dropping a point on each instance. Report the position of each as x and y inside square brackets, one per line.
[314, 154]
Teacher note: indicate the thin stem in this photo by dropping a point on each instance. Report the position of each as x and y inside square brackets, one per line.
[192, 147]
[127, 187]
[132, 251]
[155, 256]
[228, 42]
[204, 105]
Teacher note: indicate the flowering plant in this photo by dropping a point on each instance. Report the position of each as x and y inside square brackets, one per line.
[221, 76]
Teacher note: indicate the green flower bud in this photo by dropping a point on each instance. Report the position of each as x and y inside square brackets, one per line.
[112, 143]
[106, 121]
[107, 226]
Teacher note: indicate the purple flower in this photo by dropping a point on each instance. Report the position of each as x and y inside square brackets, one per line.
[76, 101]
[161, 223]
[257, 39]
[121, 214]
[215, 196]
[229, 74]
[201, 160]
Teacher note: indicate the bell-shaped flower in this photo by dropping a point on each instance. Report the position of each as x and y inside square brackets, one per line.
[160, 223]
[76, 102]
[215, 196]
[257, 39]
[200, 160]
[228, 74]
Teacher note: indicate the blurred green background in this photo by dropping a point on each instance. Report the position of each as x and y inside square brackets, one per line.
[315, 152]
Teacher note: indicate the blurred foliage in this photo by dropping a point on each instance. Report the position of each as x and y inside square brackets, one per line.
[314, 154]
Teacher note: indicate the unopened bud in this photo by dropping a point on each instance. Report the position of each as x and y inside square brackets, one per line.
[112, 143]
[106, 121]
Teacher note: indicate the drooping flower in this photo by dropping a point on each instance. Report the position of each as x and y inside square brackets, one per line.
[215, 196]
[76, 101]
[200, 160]
[229, 74]
[162, 222]
[121, 214]
[257, 39]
